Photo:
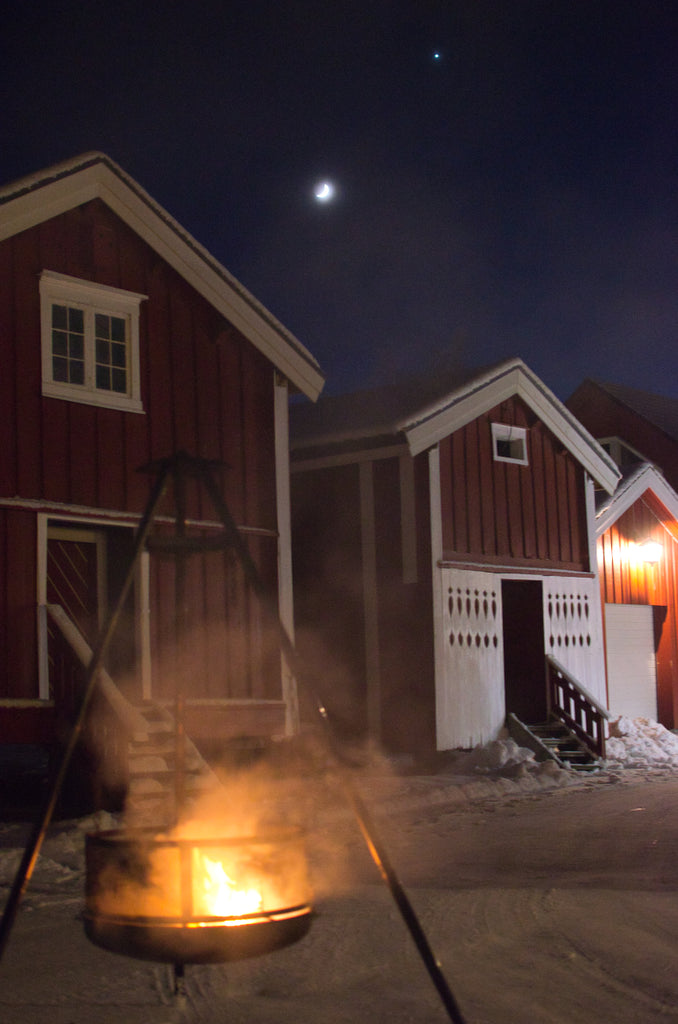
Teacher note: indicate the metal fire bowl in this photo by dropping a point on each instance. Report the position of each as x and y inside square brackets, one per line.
[209, 942]
[131, 926]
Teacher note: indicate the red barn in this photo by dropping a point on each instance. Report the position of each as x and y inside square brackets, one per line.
[124, 342]
[638, 563]
[633, 425]
[444, 546]
[637, 545]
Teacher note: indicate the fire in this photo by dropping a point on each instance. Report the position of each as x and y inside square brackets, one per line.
[216, 895]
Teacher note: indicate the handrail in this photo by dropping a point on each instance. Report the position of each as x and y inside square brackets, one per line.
[133, 721]
[579, 686]
[572, 703]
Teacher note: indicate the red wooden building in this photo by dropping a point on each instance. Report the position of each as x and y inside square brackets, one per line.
[444, 545]
[637, 532]
[633, 425]
[124, 342]
[638, 562]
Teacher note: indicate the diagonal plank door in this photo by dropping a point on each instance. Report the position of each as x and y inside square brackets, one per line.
[75, 576]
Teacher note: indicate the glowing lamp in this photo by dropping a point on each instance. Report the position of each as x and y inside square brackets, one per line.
[650, 551]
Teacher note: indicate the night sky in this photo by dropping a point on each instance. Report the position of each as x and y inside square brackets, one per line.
[514, 195]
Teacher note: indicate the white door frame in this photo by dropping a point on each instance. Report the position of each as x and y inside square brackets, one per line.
[91, 529]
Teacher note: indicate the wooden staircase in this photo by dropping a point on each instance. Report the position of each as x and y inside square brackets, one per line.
[140, 738]
[552, 740]
[574, 734]
[153, 770]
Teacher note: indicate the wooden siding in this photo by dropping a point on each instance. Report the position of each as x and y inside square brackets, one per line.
[625, 579]
[405, 615]
[223, 645]
[503, 513]
[331, 591]
[205, 389]
[18, 615]
[604, 416]
[328, 592]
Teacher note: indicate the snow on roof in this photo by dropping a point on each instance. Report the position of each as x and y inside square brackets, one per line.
[372, 412]
[38, 197]
[423, 410]
[635, 482]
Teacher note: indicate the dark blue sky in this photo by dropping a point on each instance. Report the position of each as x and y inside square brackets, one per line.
[516, 197]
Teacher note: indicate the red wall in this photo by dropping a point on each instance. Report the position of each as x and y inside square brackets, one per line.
[503, 513]
[625, 580]
[603, 416]
[205, 389]
[330, 606]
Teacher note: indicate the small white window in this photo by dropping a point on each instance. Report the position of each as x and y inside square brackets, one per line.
[509, 443]
[90, 342]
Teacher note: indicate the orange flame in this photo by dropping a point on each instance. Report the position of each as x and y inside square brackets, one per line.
[216, 895]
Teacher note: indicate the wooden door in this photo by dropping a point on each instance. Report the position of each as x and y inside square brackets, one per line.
[76, 576]
[631, 660]
[524, 656]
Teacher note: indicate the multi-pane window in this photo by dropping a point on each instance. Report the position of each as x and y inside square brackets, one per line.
[111, 350]
[90, 342]
[68, 345]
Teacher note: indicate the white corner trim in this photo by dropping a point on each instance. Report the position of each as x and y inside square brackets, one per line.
[648, 478]
[591, 535]
[285, 576]
[436, 526]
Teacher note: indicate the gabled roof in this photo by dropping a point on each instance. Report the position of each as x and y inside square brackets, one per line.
[37, 198]
[635, 483]
[368, 414]
[423, 412]
[659, 410]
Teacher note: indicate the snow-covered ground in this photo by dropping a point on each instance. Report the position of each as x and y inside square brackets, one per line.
[523, 937]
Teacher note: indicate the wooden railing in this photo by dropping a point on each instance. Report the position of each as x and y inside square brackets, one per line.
[110, 720]
[571, 702]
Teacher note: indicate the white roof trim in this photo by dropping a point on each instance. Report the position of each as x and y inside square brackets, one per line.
[33, 200]
[646, 478]
[513, 377]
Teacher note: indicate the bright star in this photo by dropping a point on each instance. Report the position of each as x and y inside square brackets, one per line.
[324, 191]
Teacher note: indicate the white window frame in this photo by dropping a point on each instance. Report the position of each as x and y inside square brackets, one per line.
[517, 436]
[61, 289]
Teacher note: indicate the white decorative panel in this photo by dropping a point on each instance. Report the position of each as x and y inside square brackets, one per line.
[470, 689]
[572, 629]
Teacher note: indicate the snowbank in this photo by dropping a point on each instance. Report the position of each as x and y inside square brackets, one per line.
[641, 743]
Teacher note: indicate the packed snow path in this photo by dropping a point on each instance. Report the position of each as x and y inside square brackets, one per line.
[548, 899]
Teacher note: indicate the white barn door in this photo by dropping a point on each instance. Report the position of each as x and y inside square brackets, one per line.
[631, 664]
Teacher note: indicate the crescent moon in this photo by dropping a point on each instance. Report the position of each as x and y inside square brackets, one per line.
[323, 191]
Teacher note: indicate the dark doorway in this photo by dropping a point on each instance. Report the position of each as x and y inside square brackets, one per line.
[524, 662]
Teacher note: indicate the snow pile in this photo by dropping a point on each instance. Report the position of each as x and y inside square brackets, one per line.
[641, 743]
[503, 760]
[502, 756]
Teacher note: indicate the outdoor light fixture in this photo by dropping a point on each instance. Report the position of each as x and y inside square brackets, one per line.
[650, 551]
